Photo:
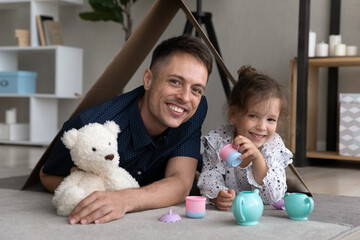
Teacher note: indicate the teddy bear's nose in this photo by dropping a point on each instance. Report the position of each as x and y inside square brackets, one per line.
[109, 157]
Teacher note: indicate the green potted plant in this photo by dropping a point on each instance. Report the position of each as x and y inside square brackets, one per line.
[111, 10]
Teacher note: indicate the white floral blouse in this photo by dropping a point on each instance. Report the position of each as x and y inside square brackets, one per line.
[216, 175]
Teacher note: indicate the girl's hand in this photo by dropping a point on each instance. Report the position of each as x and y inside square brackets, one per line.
[250, 153]
[224, 199]
[248, 149]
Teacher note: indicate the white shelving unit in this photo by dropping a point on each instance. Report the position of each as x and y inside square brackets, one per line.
[59, 70]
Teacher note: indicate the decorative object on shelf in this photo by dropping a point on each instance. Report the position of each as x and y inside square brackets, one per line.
[322, 50]
[339, 50]
[23, 37]
[53, 34]
[349, 128]
[351, 50]
[10, 116]
[312, 43]
[23, 82]
[40, 19]
[333, 40]
[14, 131]
[110, 10]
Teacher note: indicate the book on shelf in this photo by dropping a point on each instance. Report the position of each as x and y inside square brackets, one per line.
[40, 19]
[53, 34]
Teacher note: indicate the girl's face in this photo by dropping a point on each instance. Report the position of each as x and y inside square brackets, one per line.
[259, 122]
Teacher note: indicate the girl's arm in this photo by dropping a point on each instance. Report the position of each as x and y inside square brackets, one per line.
[211, 179]
[277, 158]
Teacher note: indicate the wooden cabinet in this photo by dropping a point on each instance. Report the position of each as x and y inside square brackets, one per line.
[312, 93]
[59, 71]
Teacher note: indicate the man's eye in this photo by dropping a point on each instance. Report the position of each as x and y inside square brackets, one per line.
[175, 82]
[197, 90]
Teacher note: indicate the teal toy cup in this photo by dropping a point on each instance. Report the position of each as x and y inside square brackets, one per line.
[298, 206]
[230, 155]
[247, 208]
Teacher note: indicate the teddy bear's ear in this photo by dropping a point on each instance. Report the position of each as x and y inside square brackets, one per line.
[70, 138]
[112, 127]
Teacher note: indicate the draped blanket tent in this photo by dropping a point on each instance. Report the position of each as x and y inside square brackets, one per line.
[119, 72]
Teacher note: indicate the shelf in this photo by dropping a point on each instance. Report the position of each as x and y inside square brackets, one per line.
[6, 4]
[334, 61]
[39, 95]
[59, 70]
[330, 155]
[312, 95]
[36, 48]
[25, 142]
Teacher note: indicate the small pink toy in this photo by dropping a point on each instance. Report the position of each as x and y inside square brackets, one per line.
[230, 155]
[170, 217]
[195, 206]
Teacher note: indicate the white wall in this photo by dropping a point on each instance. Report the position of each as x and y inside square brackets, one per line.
[257, 32]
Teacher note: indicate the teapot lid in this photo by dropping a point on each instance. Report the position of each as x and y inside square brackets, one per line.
[170, 217]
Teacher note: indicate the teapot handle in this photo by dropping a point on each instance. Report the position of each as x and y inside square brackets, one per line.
[310, 202]
[239, 201]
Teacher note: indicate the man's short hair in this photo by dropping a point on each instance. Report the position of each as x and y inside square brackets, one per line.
[179, 45]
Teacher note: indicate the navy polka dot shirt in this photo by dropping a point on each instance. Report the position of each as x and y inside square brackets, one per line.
[144, 158]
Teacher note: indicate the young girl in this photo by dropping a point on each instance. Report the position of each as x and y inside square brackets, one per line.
[255, 104]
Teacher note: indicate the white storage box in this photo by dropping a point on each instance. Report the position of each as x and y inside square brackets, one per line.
[18, 82]
[349, 127]
[14, 131]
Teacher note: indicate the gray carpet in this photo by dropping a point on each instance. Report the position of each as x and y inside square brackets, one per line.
[30, 215]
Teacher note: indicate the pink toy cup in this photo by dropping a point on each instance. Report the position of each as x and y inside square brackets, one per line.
[230, 155]
[195, 206]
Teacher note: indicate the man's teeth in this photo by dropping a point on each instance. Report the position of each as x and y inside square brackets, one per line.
[176, 109]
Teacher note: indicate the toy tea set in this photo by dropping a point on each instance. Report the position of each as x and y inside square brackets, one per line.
[247, 206]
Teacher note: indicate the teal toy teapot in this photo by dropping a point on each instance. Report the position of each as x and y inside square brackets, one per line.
[248, 207]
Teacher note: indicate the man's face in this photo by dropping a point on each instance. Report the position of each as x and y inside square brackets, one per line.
[173, 93]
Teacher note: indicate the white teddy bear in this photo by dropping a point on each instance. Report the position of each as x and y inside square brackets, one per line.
[93, 148]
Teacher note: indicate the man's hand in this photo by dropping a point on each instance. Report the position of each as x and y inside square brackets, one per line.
[224, 199]
[100, 207]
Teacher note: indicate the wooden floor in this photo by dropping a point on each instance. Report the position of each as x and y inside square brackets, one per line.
[327, 177]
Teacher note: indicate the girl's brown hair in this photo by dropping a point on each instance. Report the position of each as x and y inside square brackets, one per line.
[257, 86]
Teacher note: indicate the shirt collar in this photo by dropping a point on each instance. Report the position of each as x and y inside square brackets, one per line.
[140, 136]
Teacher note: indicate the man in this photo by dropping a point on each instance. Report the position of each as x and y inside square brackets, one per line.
[159, 143]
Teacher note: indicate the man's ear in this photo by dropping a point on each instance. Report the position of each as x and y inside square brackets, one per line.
[147, 78]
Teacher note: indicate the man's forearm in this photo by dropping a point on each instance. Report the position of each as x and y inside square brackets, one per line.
[179, 178]
[163, 193]
[50, 182]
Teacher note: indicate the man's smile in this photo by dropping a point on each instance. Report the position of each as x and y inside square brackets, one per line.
[176, 109]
